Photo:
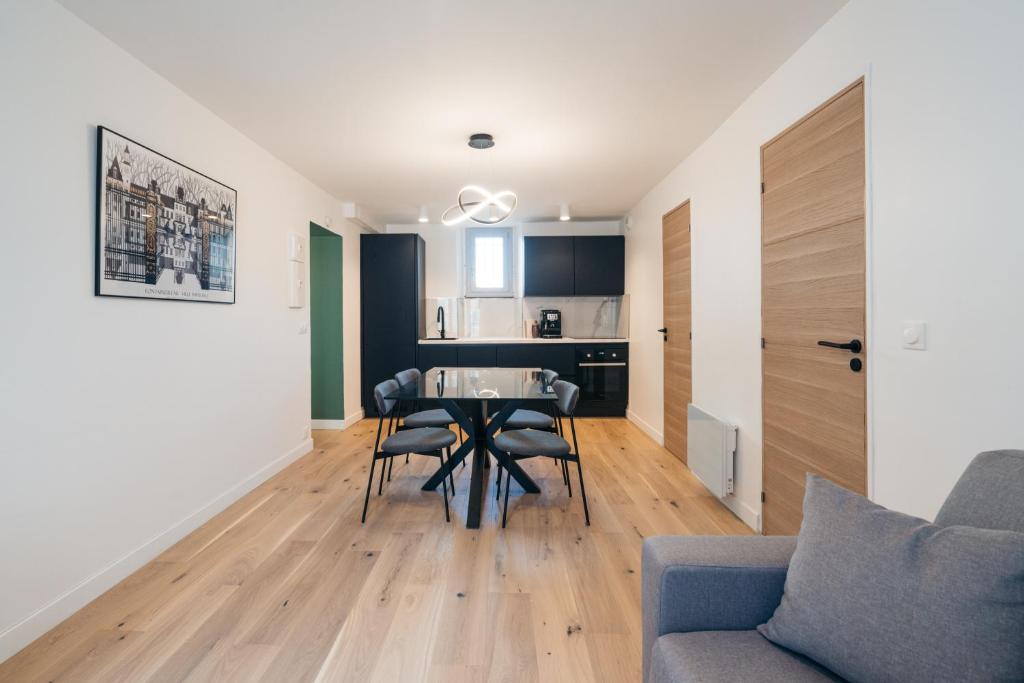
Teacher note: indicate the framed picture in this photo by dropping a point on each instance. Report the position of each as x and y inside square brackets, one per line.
[163, 231]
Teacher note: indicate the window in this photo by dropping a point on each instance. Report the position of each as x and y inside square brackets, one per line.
[489, 262]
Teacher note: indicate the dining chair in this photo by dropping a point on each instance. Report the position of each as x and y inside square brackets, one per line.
[522, 418]
[431, 441]
[519, 444]
[438, 417]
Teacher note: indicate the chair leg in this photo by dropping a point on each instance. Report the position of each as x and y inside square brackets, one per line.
[508, 487]
[380, 486]
[583, 491]
[391, 466]
[451, 477]
[406, 458]
[444, 490]
[568, 481]
[369, 485]
[497, 491]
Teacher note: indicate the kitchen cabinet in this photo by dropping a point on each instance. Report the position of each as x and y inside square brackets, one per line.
[593, 265]
[437, 356]
[547, 266]
[391, 275]
[599, 265]
[557, 357]
[473, 356]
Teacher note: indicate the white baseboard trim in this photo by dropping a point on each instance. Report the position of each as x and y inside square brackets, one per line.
[353, 418]
[326, 424]
[16, 637]
[658, 437]
[337, 424]
[747, 514]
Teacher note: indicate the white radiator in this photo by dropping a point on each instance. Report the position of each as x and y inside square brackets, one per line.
[710, 450]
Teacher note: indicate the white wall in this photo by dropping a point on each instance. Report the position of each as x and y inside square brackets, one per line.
[127, 423]
[946, 242]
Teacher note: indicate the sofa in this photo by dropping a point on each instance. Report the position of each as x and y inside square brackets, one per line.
[703, 597]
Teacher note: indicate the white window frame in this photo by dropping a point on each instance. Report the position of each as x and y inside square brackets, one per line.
[507, 234]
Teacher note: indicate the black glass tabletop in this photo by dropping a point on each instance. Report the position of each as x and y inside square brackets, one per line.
[477, 384]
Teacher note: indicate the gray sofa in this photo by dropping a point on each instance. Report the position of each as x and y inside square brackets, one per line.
[704, 596]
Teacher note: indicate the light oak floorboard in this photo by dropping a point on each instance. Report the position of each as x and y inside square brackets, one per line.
[286, 585]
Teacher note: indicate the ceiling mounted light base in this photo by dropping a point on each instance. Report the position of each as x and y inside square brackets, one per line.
[481, 141]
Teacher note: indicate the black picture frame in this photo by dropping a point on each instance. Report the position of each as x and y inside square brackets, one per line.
[153, 245]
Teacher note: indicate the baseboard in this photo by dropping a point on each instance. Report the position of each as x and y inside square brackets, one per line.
[326, 424]
[42, 620]
[353, 418]
[746, 514]
[658, 437]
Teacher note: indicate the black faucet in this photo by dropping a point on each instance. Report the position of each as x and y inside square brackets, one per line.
[440, 320]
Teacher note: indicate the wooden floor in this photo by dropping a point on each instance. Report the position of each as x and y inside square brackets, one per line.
[286, 585]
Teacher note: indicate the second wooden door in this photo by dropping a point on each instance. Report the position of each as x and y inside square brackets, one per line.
[675, 236]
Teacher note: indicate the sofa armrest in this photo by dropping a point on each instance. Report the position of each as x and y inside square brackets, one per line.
[710, 583]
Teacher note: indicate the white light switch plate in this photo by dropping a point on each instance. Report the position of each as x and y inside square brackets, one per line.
[296, 247]
[914, 335]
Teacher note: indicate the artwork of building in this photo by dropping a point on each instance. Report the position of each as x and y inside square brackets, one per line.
[175, 229]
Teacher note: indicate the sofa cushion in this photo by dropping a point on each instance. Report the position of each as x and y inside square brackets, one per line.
[988, 494]
[728, 656]
[876, 595]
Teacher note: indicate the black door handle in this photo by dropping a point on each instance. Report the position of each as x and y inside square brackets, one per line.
[853, 345]
[664, 331]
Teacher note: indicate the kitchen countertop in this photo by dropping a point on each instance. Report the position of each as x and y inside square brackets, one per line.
[522, 340]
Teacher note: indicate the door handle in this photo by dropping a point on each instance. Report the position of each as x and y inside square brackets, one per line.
[853, 345]
[664, 331]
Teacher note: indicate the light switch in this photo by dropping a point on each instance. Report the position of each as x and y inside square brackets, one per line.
[914, 335]
[296, 247]
[296, 285]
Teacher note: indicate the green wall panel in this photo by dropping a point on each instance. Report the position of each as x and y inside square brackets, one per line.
[326, 324]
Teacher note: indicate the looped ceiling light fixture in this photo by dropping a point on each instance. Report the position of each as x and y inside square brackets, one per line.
[478, 204]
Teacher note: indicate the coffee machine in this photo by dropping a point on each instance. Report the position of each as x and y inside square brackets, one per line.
[550, 323]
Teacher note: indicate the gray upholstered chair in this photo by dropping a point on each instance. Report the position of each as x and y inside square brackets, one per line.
[432, 441]
[520, 444]
[704, 596]
[436, 417]
[522, 418]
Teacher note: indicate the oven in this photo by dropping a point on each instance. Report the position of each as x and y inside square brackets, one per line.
[602, 373]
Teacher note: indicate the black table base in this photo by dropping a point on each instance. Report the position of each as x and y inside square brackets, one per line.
[480, 444]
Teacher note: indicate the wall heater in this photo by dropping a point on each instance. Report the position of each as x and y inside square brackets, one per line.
[710, 450]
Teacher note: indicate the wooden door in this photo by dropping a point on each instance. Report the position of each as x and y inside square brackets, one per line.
[813, 289]
[675, 239]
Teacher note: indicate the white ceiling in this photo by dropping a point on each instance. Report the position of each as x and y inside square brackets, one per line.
[591, 102]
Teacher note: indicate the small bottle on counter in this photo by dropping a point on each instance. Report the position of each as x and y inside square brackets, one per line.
[534, 329]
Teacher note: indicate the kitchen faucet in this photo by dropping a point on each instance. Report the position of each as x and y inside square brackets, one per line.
[440, 321]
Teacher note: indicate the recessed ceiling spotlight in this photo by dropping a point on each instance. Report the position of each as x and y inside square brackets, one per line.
[563, 214]
[423, 214]
[481, 141]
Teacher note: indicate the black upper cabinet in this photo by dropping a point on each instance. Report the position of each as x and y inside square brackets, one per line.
[547, 266]
[391, 276]
[600, 265]
[574, 266]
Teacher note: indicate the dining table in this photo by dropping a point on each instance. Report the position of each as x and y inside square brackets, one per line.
[468, 394]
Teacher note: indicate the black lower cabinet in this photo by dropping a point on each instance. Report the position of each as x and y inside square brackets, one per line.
[600, 371]
[477, 356]
[437, 356]
[557, 357]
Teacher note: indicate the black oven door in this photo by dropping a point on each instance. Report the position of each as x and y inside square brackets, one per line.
[604, 384]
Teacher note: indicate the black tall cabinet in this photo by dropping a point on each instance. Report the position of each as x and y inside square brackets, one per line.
[391, 273]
